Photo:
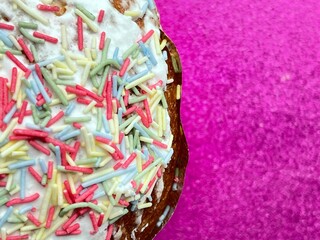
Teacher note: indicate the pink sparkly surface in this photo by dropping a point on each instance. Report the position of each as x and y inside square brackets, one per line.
[251, 113]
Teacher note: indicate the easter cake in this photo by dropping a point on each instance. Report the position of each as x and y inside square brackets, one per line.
[91, 143]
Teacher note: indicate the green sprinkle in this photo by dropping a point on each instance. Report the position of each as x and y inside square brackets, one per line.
[26, 82]
[77, 119]
[136, 91]
[29, 25]
[176, 172]
[87, 161]
[66, 77]
[44, 179]
[85, 12]
[135, 54]
[123, 105]
[146, 170]
[34, 53]
[47, 107]
[150, 133]
[99, 121]
[3, 192]
[130, 143]
[127, 122]
[133, 100]
[32, 12]
[4, 200]
[66, 83]
[95, 81]
[102, 65]
[35, 114]
[80, 205]
[105, 49]
[132, 49]
[119, 80]
[14, 52]
[45, 121]
[138, 145]
[164, 101]
[176, 64]
[52, 147]
[54, 87]
[43, 115]
[103, 80]
[136, 138]
[87, 20]
[30, 37]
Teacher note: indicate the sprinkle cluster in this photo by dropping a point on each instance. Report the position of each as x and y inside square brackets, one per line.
[100, 162]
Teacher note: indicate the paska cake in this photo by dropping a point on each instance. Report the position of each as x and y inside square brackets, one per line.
[90, 143]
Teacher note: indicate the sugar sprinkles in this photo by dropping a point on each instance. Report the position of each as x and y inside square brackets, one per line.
[84, 127]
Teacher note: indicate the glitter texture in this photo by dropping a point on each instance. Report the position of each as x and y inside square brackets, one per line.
[251, 112]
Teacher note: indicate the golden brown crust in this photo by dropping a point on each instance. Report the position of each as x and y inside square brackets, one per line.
[179, 160]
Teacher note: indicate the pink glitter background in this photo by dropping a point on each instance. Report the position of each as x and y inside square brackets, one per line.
[251, 112]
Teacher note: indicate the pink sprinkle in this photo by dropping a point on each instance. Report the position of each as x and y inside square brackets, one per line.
[29, 199]
[50, 169]
[55, 119]
[117, 166]
[80, 33]
[76, 147]
[13, 80]
[134, 184]
[86, 193]
[109, 100]
[147, 108]
[79, 169]
[22, 111]
[38, 71]
[13, 138]
[65, 233]
[48, 8]
[25, 49]
[39, 147]
[67, 196]
[157, 84]
[17, 62]
[30, 133]
[45, 37]
[64, 161]
[147, 36]
[160, 144]
[109, 233]
[50, 217]
[100, 16]
[33, 219]
[144, 118]
[121, 136]
[87, 102]
[20, 237]
[159, 173]
[73, 228]
[93, 222]
[90, 94]
[139, 188]
[126, 98]
[35, 174]
[147, 163]
[77, 125]
[3, 184]
[130, 110]
[124, 67]
[100, 220]
[102, 40]
[70, 221]
[6, 26]
[75, 91]
[60, 144]
[129, 160]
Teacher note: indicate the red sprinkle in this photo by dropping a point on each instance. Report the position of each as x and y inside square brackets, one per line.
[100, 16]
[73, 228]
[130, 110]
[12, 138]
[129, 160]
[17, 62]
[147, 108]
[109, 100]
[13, 80]
[126, 98]
[80, 33]
[50, 217]
[39, 147]
[29, 199]
[117, 166]
[20, 237]
[55, 119]
[3, 184]
[157, 84]
[70, 221]
[38, 71]
[147, 163]
[64, 161]
[124, 67]
[75, 91]
[144, 118]
[50, 169]
[77, 125]
[87, 102]
[139, 188]
[27, 113]
[35, 174]
[93, 222]
[68, 189]
[22, 111]
[160, 144]
[6, 26]
[67, 196]
[76, 147]
[26, 50]
[147, 36]
[59, 144]
[87, 193]
[65, 233]
[102, 40]
[45, 37]
[109, 233]
[100, 220]
[79, 169]
[30, 133]
[90, 94]
[48, 8]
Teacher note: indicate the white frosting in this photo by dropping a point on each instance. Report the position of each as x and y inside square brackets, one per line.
[123, 32]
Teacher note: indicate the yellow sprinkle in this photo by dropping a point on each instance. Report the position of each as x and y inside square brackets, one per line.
[97, 174]
[68, 60]
[29, 228]
[64, 41]
[142, 60]
[58, 128]
[163, 44]
[111, 126]
[126, 138]
[45, 204]
[14, 190]
[59, 64]
[70, 160]
[40, 233]
[156, 42]
[132, 64]
[159, 121]
[132, 13]
[92, 142]
[18, 154]
[89, 107]
[3, 233]
[116, 129]
[14, 228]
[103, 206]
[139, 162]
[63, 71]
[9, 182]
[171, 80]
[164, 119]
[113, 187]
[59, 189]
[90, 24]
[84, 62]
[84, 134]
[94, 48]
[87, 53]
[86, 72]
[140, 80]
[9, 144]
[145, 88]
[144, 205]
[145, 139]
[18, 85]
[108, 213]
[72, 186]
[12, 148]
[22, 217]
[118, 213]
[7, 163]
[105, 161]
[151, 174]
[98, 154]
[155, 103]
[106, 147]
[129, 128]
[19, 98]
[178, 96]
[34, 14]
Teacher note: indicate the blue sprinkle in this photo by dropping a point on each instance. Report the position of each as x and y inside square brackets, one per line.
[34, 87]
[152, 6]
[137, 76]
[36, 127]
[6, 215]
[105, 123]
[115, 54]
[123, 146]
[120, 112]
[120, 91]
[165, 55]
[140, 129]
[41, 88]
[156, 151]
[99, 194]
[47, 62]
[4, 38]
[70, 135]
[58, 155]
[144, 8]
[70, 108]
[98, 162]
[63, 132]
[23, 183]
[25, 209]
[31, 96]
[114, 86]
[168, 156]
[129, 177]
[43, 166]
[21, 164]
[10, 114]
[103, 135]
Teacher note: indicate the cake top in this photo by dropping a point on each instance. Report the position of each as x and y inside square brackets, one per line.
[85, 132]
